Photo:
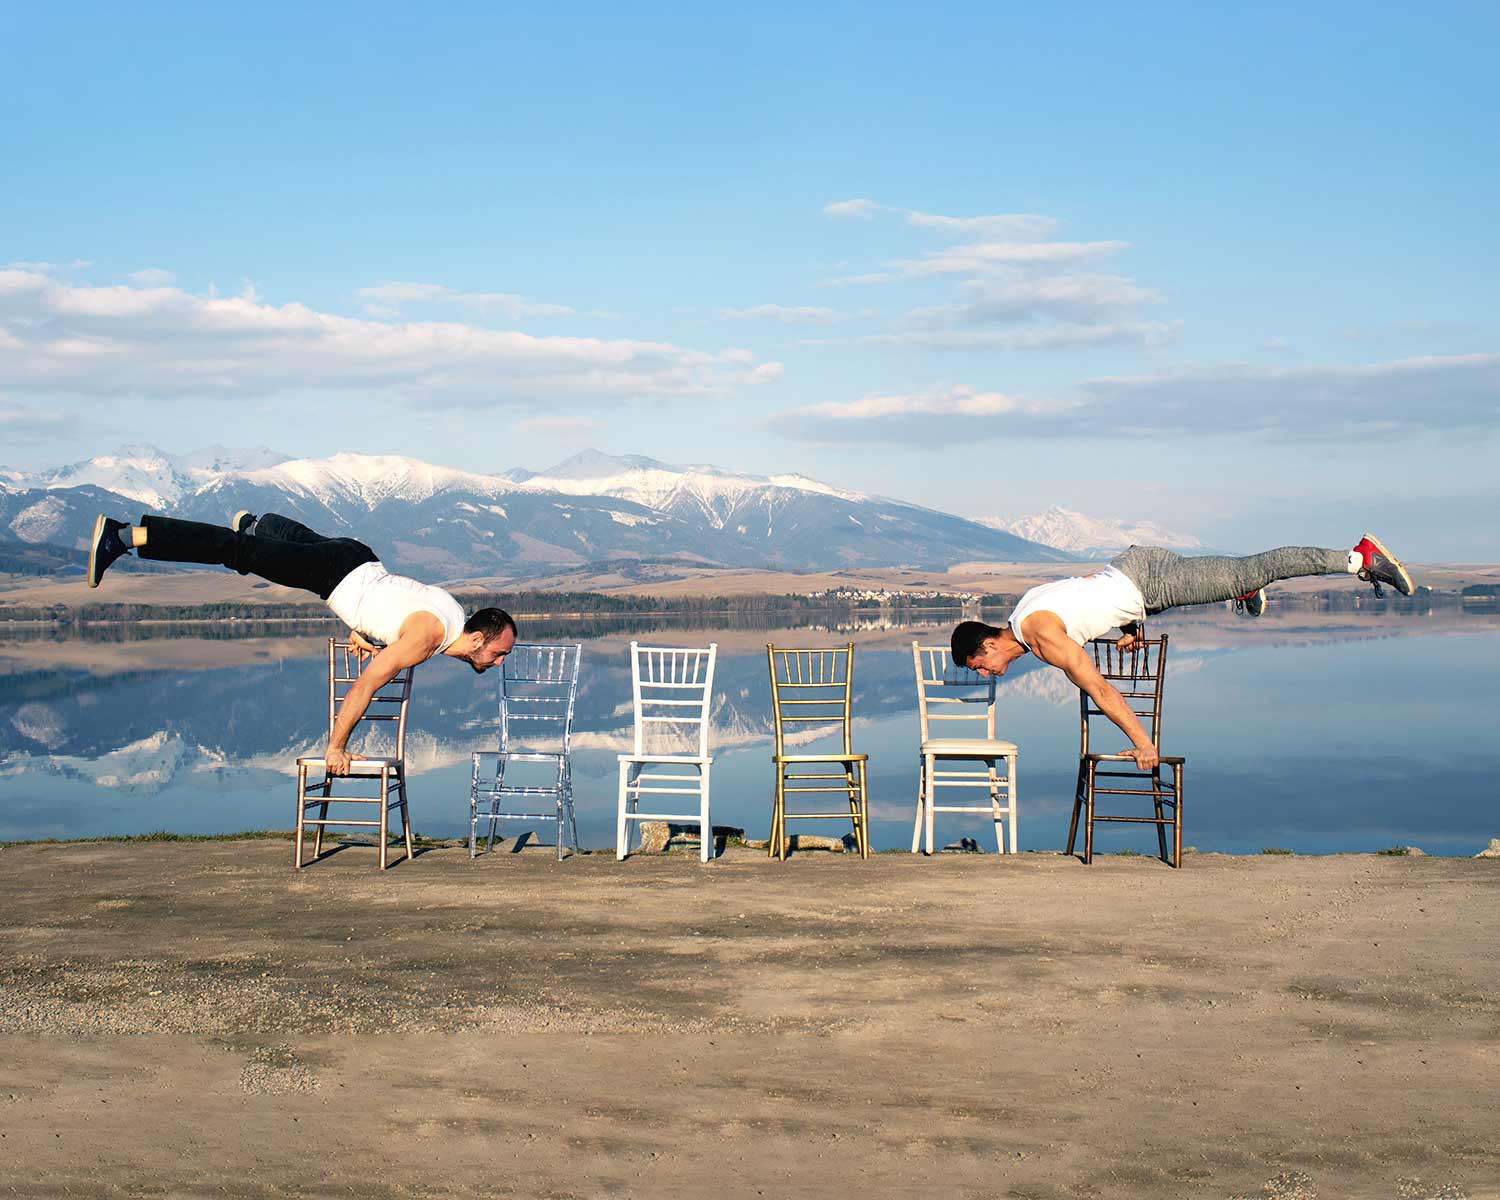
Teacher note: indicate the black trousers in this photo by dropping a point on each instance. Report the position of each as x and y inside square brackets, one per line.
[280, 550]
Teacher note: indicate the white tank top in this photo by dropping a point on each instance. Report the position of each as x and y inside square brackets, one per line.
[1088, 607]
[373, 601]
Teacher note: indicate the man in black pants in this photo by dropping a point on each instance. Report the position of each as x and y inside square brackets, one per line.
[413, 620]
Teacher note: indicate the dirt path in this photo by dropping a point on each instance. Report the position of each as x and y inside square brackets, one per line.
[194, 1020]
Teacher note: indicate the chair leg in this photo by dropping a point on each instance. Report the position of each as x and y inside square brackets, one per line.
[1177, 816]
[474, 810]
[778, 817]
[1088, 820]
[916, 825]
[931, 798]
[385, 815]
[864, 815]
[705, 822]
[997, 814]
[851, 794]
[301, 808]
[322, 816]
[1010, 775]
[622, 826]
[1078, 793]
[1161, 830]
[572, 812]
[411, 851]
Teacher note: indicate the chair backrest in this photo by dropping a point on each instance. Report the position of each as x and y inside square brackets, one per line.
[1138, 673]
[673, 689]
[538, 695]
[390, 702]
[812, 688]
[948, 692]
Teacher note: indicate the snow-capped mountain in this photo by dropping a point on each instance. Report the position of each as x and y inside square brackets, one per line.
[1092, 537]
[144, 473]
[443, 523]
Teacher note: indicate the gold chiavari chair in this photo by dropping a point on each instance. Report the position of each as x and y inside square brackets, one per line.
[812, 692]
[389, 705]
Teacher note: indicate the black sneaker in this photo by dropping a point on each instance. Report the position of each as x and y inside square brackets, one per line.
[1381, 566]
[243, 521]
[105, 546]
[1251, 604]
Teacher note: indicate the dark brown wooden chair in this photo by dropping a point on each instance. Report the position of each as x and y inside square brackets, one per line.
[1139, 673]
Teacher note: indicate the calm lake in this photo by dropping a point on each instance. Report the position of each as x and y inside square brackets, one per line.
[1310, 730]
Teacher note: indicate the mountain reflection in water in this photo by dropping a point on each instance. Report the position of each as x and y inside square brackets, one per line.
[1308, 729]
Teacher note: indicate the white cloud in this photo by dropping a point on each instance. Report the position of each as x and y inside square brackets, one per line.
[153, 277]
[1332, 402]
[386, 300]
[1007, 226]
[1065, 297]
[851, 210]
[150, 342]
[1037, 337]
[78, 264]
[786, 314]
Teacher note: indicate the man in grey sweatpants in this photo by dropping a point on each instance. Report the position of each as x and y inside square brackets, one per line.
[1055, 621]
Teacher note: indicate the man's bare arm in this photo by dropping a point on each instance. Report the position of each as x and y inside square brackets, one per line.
[421, 635]
[1049, 641]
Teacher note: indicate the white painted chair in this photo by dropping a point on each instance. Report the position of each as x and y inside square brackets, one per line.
[946, 692]
[538, 693]
[673, 689]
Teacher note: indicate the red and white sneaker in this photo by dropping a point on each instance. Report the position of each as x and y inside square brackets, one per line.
[1251, 604]
[1378, 565]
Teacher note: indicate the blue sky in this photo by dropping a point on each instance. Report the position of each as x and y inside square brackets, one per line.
[1233, 271]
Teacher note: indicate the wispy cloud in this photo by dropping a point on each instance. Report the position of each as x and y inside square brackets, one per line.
[784, 313]
[153, 277]
[1323, 402]
[1039, 337]
[852, 210]
[1008, 269]
[131, 341]
[77, 264]
[387, 299]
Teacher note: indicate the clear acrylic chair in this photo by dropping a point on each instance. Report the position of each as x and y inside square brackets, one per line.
[672, 690]
[538, 694]
[812, 692]
[1140, 675]
[946, 692]
[388, 706]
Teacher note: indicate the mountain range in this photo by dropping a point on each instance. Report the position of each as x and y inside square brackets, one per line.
[439, 522]
[1092, 537]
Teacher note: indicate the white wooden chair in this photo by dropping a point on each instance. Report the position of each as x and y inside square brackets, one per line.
[673, 690]
[389, 705]
[946, 692]
[538, 694]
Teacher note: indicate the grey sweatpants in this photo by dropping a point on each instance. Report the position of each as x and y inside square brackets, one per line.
[1168, 580]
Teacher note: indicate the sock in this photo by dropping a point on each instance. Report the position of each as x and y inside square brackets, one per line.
[122, 535]
[1356, 562]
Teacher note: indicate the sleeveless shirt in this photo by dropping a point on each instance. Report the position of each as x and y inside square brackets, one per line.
[373, 601]
[1088, 606]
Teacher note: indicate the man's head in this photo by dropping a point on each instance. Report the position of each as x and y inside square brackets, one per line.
[984, 648]
[488, 637]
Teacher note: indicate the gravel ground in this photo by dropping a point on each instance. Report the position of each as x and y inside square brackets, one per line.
[201, 1020]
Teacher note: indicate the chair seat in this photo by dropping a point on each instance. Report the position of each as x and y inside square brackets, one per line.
[664, 758]
[973, 747]
[819, 758]
[363, 765]
[1169, 759]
